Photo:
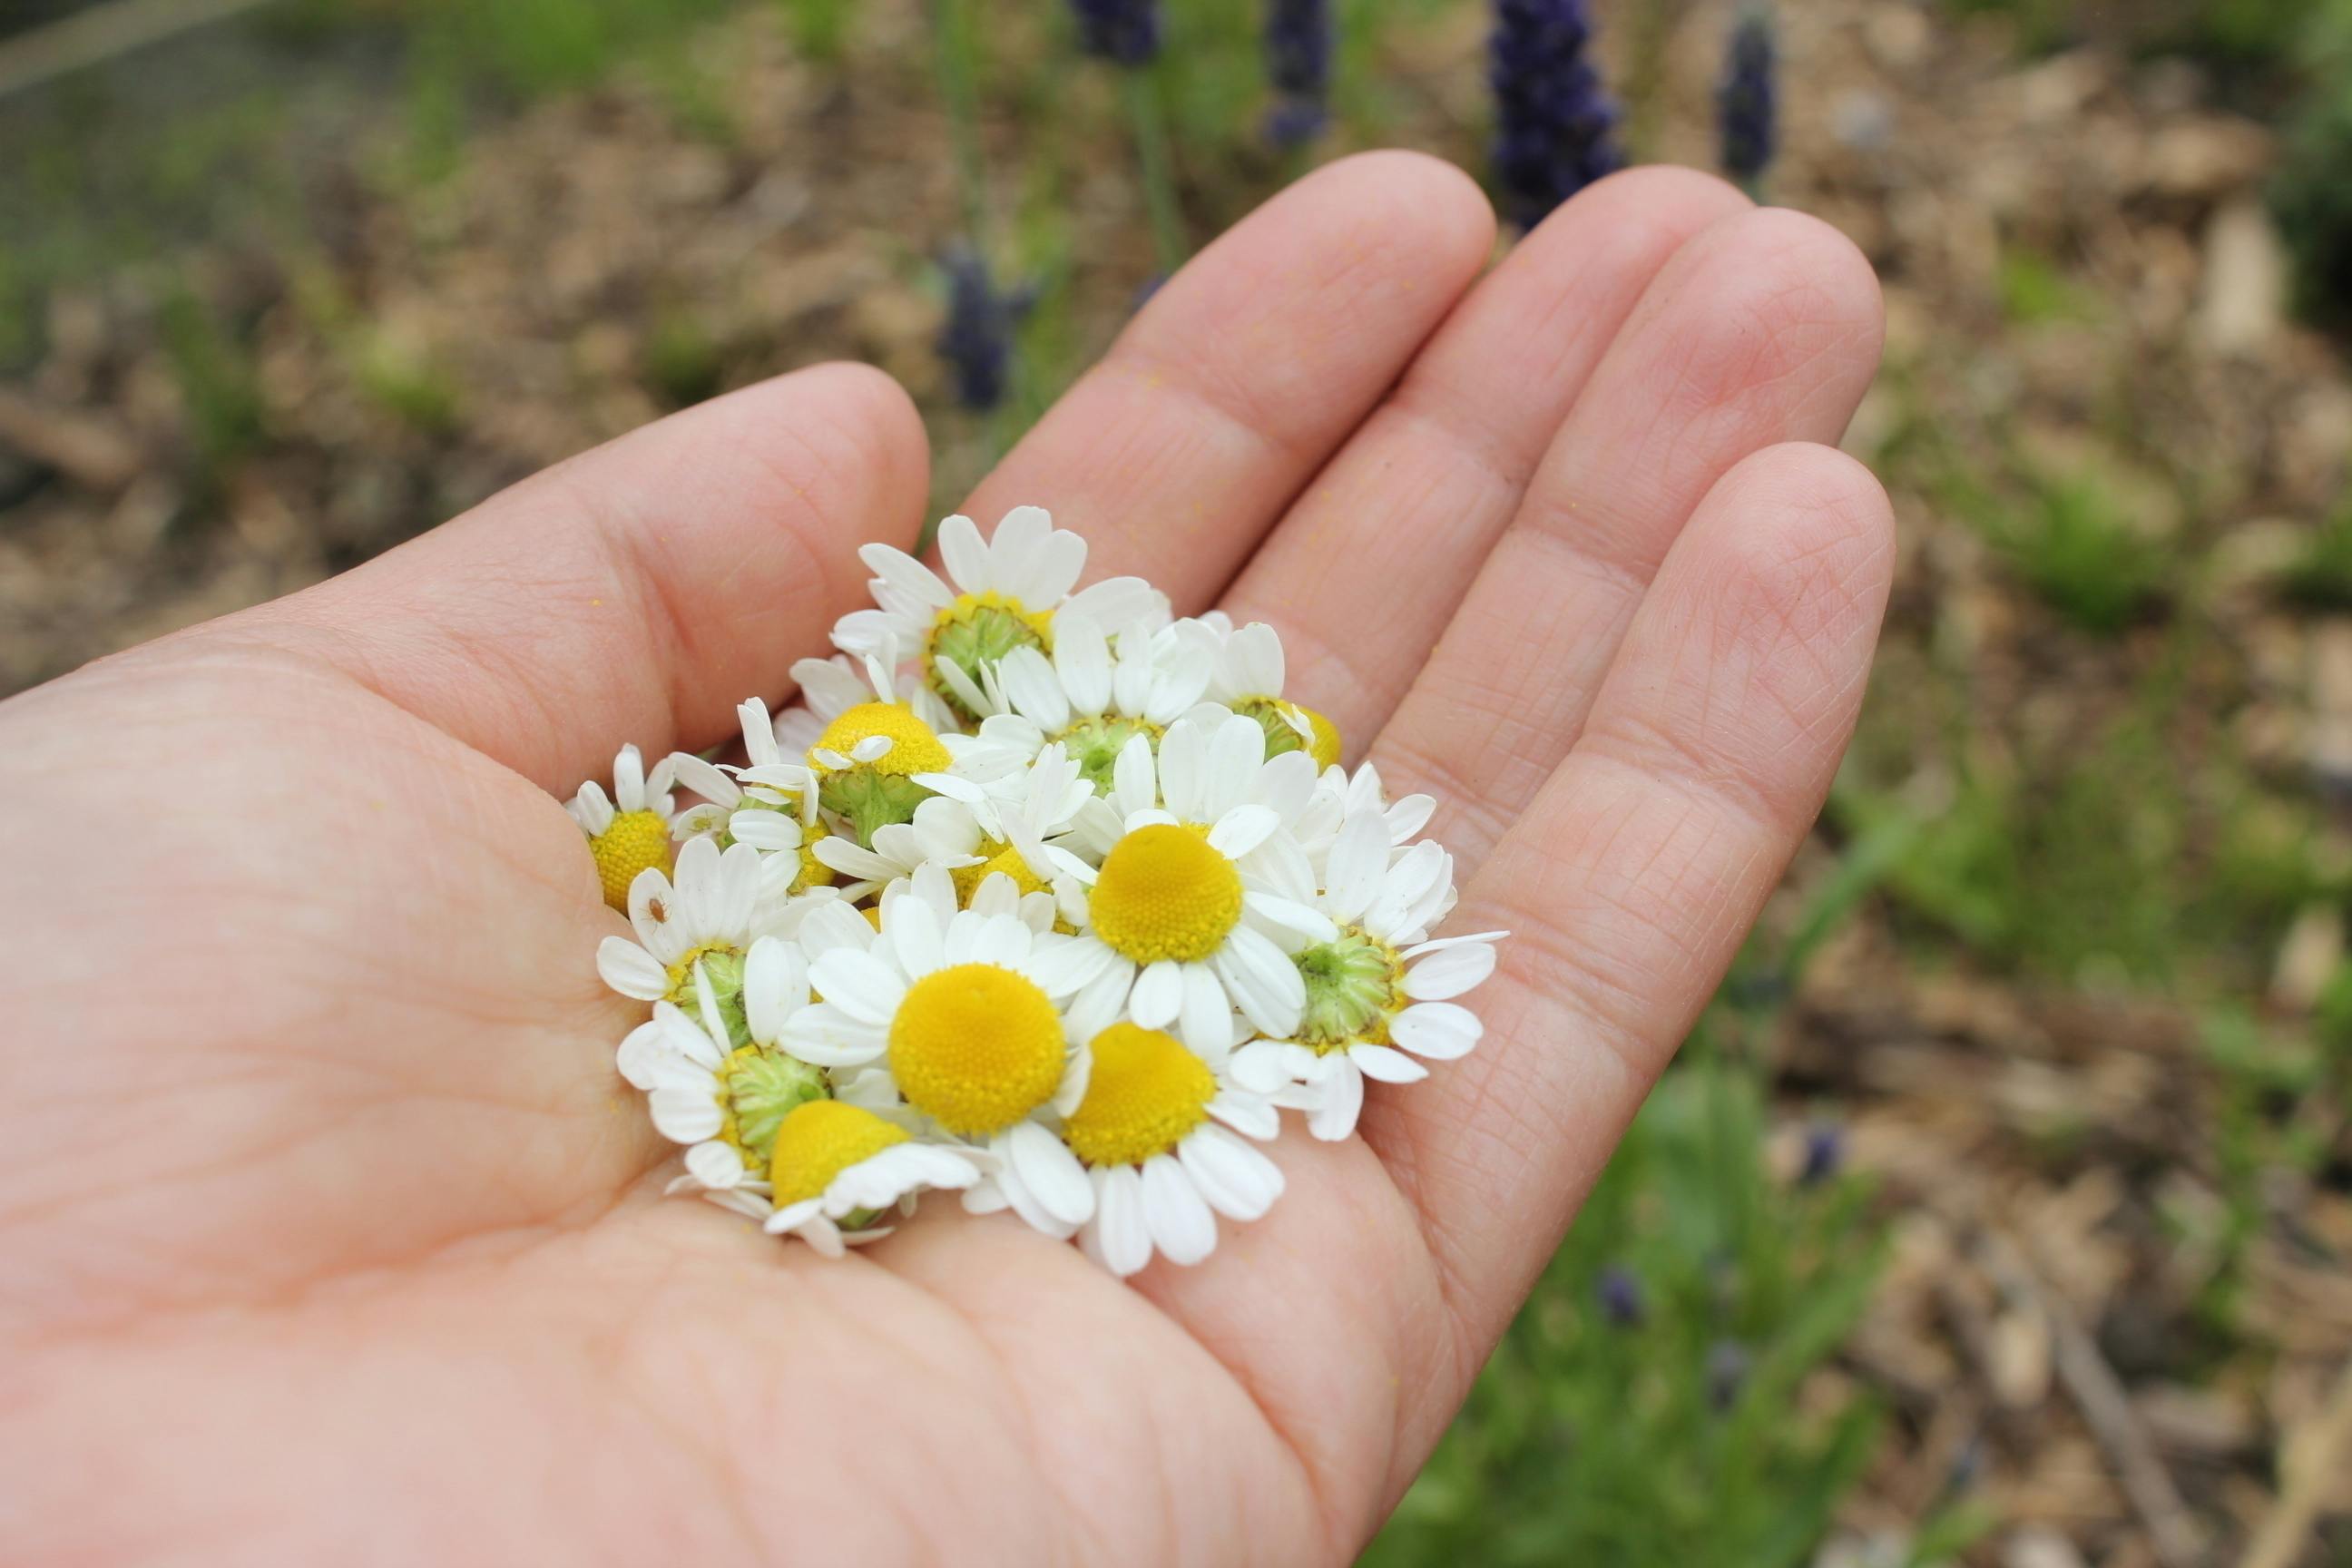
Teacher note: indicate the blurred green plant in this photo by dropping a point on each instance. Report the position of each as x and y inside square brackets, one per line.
[2310, 193]
[1664, 1395]
[1650, 1403]
[820, 28]
[2070, 537]
[219, 387]
[2320, 576]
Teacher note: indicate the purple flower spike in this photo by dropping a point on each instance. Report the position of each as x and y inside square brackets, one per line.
[1747, 116]
[1125, 32]
[1553, 119]
[1298, 62]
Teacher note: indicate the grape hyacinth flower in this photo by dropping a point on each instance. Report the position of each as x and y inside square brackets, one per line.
[1553, 119]
[1125, 32]
[1298, 62]
[976, 341]
[1745, 106]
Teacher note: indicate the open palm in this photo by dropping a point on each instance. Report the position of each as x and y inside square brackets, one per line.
[327, 1232]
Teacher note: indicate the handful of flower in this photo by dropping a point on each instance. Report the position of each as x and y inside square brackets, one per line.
[1047, 897]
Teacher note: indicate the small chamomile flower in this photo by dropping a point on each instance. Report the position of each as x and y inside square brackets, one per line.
[1003, 593]
[726, 1102]
[628, 831]
[1247, 677]
[1005, 826]
[1170, 901]
[1095, 694]
[1377, 994]
[704, 921]
[838, 1167]
[967, 1016]
[769, 803]
[1339, 795]
[864, 759]
[1161, 1168]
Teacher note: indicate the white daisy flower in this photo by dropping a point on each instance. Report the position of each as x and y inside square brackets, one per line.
[876, 734]
[1169, 903]
[839, 1166]
[726, 1102]
[1379, 995]
[1094, 694]
[1161, 1165]
[1003, 593]
[966, 1016]
[1338, 794]
[1248, 676]
[707, 918]
[628, 831]
[768, 802]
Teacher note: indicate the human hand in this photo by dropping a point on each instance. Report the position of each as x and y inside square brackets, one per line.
[328, 1234]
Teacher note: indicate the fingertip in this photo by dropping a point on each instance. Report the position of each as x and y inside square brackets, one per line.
[1425, 194]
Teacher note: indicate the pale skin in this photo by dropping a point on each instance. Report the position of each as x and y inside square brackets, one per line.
[328, 1231]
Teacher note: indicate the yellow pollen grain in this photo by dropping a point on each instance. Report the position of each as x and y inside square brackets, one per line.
[1145, 1094]
[818, 1141]
[1163, 893]
[976, 1048]
[914, 747]
[633, 842]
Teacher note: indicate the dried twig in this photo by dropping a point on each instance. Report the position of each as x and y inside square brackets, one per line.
[2107, 1409]
[2311, 1467]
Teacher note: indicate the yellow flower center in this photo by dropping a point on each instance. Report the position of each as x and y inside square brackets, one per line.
[914, 748]
[815, 873]
[1325, 747]
[995, 856]
[1164, 893]
[820, 1139]
[976, 1048]
[1146, 1092]
[634, 841]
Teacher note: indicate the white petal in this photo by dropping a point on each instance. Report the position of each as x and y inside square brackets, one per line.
[1340, 1099]
[1182, 1227]
[631, 970]
[1291, 925]
[1125, 1236]
[1235, 752]
[965, 555]
[686, 1115]
[1051, 572]
[1251, 1115]
[1159, 994]
[1441, 1031]
[1207, 1020]
[715, 1165]
[1266, 985]
[1064, 967]
[1253, 662]
[768, 832]
[1360, 856]
[1385, 1064]
[907, 574]
[1050, 1173]
[1243, 829]
[1261, 1066]
[914, 934]
[858, 983]
[1236, 1180]
[826, 1036]
[775, 986]
[1184, 771]
[1448, 972]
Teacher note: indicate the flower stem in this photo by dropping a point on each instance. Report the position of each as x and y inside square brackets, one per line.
[1141, 88]
[959, 89]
